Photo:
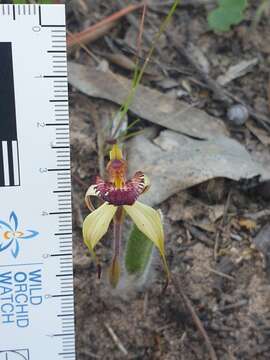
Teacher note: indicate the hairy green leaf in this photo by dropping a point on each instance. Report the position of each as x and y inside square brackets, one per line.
[138, 252]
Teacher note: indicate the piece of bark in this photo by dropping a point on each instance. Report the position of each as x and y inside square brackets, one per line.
[175, 162]
[148, 104]
[236, 71]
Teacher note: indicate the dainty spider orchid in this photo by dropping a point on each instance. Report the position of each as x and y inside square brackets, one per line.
[120, 197]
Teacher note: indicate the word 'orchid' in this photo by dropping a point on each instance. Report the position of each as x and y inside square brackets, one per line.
[120, 197]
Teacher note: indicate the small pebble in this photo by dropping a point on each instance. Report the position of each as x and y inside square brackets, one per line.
[237, 114]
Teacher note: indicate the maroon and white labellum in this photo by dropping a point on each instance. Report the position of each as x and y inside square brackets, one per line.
[126, 195]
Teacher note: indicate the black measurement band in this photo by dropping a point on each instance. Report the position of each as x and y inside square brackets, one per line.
[9, 154]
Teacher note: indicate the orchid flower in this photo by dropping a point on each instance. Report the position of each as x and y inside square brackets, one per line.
[120, 197]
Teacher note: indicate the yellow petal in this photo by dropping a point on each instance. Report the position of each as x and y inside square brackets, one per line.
[96, 224]
[116, 153]
[90, 192]
[149, 222]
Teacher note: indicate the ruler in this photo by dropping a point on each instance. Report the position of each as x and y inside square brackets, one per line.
[36, 281]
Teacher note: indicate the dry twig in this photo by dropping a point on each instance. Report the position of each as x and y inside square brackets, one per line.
[217, 239]
[196, 319]
[94, 32]
[219, 273]
[116, 339]
[134, 22]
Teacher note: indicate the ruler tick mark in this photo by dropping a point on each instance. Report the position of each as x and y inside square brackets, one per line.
[58, 100]
[66, 254]
[56, 51]
[67, 353]
[60, 212]
[61, 191]
[62, 295]
[58, 169]
[57, 124]
[54, 76]
[59, 234]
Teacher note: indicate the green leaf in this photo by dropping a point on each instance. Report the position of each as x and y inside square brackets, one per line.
[138, 252]
[228, 13]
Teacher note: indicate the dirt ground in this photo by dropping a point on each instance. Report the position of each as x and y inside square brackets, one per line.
[212, 243]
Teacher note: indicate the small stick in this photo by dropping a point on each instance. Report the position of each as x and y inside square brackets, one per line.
[219, 273]
[238, 304]
[196, 320]
[90, 36]
[199, 235]
[89, 353]
[257, 215]
[140, 35]
[84, 35]
[116, 339]
[134, 22]
[216, 246]
[217, 239]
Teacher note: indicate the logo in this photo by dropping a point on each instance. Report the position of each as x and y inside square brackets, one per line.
[11, 236]
[20, 354]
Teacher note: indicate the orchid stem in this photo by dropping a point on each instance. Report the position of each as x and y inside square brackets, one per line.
[118, 220]
[115, 269]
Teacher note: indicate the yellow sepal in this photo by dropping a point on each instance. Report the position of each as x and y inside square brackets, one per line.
[96, 224]
[116, 153]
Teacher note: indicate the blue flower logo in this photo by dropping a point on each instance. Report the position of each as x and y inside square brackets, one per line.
[10, 235]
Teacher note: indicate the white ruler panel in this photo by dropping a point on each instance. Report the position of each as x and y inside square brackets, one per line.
[36, 281]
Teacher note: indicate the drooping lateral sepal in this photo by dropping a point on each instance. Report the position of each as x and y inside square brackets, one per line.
[96, 224]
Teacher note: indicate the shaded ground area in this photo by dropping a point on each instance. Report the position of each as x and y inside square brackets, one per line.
[217, 238]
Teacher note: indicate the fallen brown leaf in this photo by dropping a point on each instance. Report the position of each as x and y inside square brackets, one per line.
[148, 104]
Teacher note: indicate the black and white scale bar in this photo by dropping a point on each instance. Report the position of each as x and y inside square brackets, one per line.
[9, 153]
[9, 163]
